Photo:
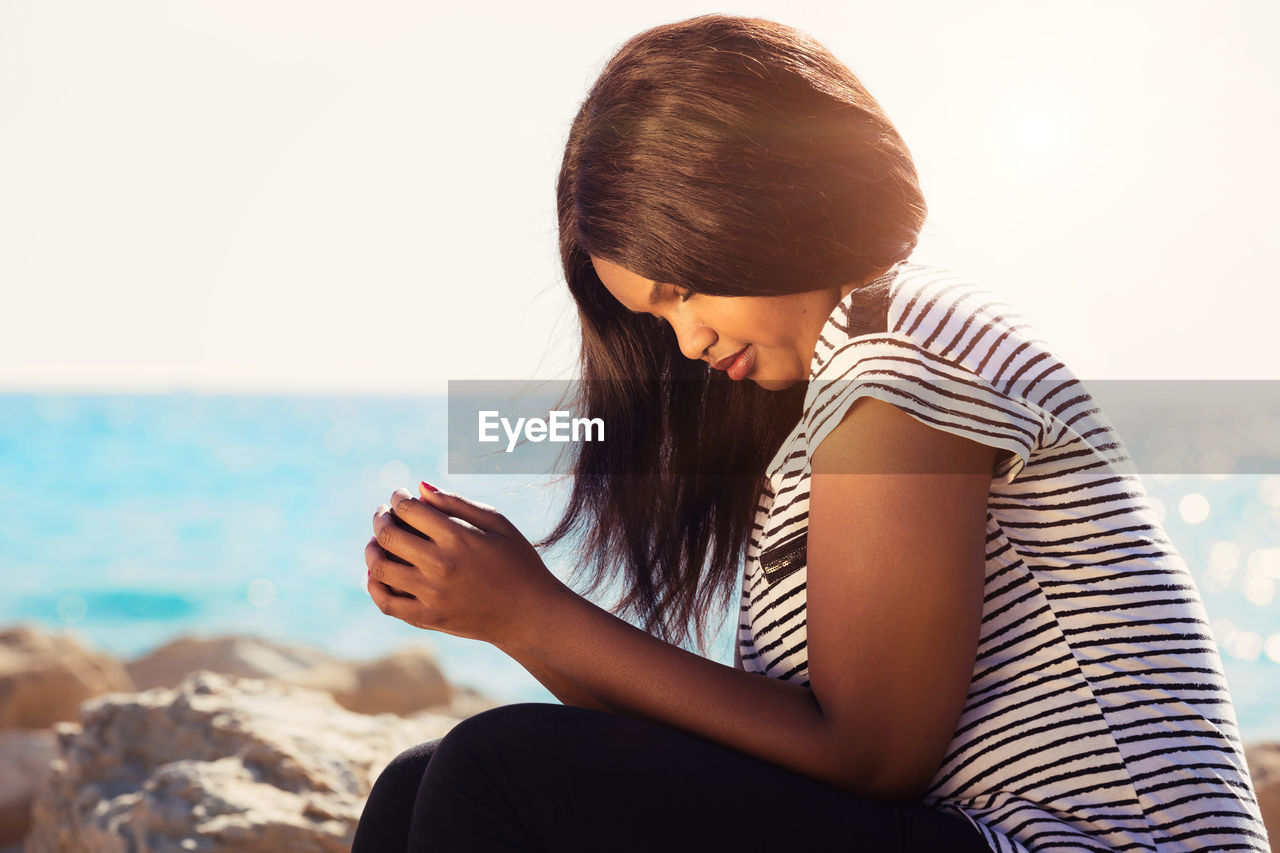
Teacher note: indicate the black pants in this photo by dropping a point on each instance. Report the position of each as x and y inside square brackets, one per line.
[535, 776]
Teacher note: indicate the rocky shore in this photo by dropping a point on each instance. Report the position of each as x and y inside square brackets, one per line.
[205, 744]
[229, 744]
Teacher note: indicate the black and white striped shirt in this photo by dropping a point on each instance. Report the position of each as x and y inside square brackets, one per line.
[1097, 716]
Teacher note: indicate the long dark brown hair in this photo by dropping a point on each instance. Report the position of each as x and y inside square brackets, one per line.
[733, 157]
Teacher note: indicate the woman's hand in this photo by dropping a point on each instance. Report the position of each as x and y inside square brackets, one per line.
[467, 571]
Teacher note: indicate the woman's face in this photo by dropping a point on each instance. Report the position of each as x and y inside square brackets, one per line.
[773, 337]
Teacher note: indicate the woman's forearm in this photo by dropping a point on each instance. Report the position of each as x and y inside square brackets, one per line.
[633, 673]
[564, 689]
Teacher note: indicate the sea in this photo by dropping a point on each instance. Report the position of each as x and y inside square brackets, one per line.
[130, 520]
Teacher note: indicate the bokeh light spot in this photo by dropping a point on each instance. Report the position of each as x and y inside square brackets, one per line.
[261, 593]
[1193, 508]
[395, 474]
[1224, 561]
[1265, 562]
[1248, 645]
[1272, 647]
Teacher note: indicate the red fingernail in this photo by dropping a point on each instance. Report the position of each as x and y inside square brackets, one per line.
[429, 487]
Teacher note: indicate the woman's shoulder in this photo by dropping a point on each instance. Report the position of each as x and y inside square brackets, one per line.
[955, 356]
[934, 314]
[948, 352]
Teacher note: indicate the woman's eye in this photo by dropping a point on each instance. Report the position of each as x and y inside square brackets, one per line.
[686, 296]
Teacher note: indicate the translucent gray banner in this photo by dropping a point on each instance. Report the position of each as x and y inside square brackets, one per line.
[494, 426]
[1215, 427]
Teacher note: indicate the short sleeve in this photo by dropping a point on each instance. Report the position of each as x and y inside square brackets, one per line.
[936, 391]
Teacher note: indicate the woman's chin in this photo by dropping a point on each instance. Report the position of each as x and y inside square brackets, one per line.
[774, 384]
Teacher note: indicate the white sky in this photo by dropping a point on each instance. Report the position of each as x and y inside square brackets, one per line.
[324, 197]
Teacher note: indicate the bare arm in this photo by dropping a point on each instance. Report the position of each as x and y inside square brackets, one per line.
[895, 570]
[564, 689]
[572, 693]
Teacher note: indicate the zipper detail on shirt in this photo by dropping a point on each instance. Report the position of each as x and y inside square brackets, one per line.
[781, 559]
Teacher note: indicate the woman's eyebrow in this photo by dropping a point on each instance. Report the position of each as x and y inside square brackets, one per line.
[655, 295]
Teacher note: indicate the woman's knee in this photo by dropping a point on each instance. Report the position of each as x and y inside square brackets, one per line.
[410, 764]
[525, 733]
[384, 821]
[519, 722]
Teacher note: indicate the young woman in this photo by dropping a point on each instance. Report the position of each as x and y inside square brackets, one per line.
[972, 631]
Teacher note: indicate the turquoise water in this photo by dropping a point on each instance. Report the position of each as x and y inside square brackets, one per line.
[132, 519]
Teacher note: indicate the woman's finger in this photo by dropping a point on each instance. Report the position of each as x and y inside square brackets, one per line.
[404, 608]
[402, 578]
[414, 516]
[419, 519]
[399, 542]
[481, 516]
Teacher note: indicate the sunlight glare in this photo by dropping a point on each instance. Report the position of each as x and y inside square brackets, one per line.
[1194, 508]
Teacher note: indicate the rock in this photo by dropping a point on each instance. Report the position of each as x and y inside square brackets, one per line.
[44, 677]
[24, 760]
[217, 765]
[242, 657]
[405, 682]
[1264, 769]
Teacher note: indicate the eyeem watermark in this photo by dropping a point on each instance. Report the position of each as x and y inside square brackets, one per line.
[1147, 427]
[559, 428]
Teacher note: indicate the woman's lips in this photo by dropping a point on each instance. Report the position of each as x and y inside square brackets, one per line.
[739, 364]
[725, 363]
[743, 363]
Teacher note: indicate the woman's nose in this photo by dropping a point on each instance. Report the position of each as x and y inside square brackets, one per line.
[694, 338]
